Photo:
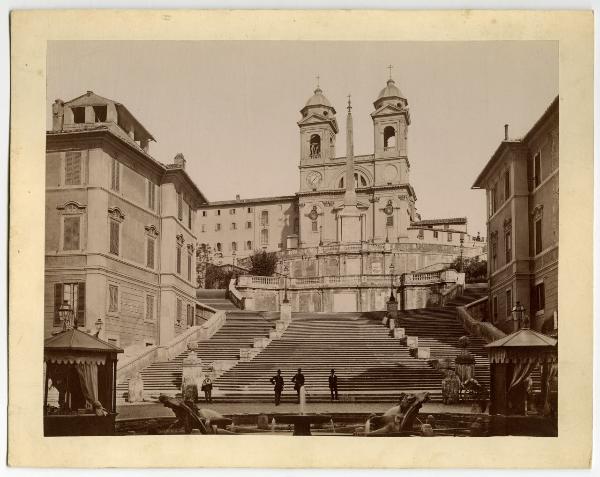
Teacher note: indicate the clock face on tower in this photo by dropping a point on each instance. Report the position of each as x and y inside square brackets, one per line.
[313, 180]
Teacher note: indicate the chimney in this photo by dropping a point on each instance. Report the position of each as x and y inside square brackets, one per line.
[58, 111]
[237, 196]
[506, 132]
[179, 160]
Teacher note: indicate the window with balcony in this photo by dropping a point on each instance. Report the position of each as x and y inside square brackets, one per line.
[537, 169]
[264, 237]
[538, 236]
[264, 218]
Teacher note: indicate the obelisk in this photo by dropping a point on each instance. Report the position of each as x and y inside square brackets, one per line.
[350, 215]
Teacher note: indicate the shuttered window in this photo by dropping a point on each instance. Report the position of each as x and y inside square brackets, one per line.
[189, 217]
[264, 237]
[189, 269]
[150, 252]
[179, 311]
[180, 206]
[115, 175]
[389, 221]
[73, 168]
[179, 260]
[149, 308]
[113, 298]
[190, 315]
[71, 233]
[151, 195]
[114, 237]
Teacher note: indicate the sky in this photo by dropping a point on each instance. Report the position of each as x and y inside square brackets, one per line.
[231, 107]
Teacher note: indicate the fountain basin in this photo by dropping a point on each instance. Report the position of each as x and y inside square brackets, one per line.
[302, 422]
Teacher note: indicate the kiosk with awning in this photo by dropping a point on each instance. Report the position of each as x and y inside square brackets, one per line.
[80, 379]
[512, 360]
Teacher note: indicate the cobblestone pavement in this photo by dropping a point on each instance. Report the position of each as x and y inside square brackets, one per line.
[153, 410]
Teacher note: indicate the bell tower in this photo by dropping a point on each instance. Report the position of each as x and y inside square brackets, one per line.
[318, 129]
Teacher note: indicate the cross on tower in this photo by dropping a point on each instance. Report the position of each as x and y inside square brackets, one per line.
[318, 81]
[390, 68]
[349, 103]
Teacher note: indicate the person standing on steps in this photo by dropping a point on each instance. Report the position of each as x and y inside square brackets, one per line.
[298, 381]
[277, 380]
[207, 388]
[333, 386]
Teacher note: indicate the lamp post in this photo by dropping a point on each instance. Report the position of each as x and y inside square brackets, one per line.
[462, 241]
[233, 258]
[285, 276]
[392, 282]
[518, 313]
[65, 314]
[98, 324]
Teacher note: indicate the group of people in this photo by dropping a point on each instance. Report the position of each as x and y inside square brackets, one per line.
[299, 381]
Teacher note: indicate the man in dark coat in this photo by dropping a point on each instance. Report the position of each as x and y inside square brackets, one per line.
[298, 381]
[278, 382]
[333, 389]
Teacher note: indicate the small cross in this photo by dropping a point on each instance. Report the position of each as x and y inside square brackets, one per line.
[390, 68]
[349, 103]
[318, 81]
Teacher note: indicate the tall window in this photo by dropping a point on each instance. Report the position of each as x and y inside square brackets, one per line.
[73, 168]
[315, 226]
[233, 226]
[180, 206]
[113, 298]
[315, 146]
[178, 260]
[204, 213]
[249, 210]
[389, 138]
[71, 233]
[234, 246]
[508, 245]
[74, 295]
[217, 227]
[435, 234]
[494, 253]
[449, 236]
[231, 211]
[78, 115]
[389, 221]
[538, 236]
[151, 195]
[219, 247]
[115, 175]
[203, 228]
[537, 169]
[264, 218]
[248, 225]
[508, 303]
[114, 237]
[249, 245]
[539, 297]
[189, 217]
[495, 309]
[494, 200]
[507, 184]
[179, 316]
[149, 308]
[190, 315]
[150, 252]
[264, 237]
[189, 267]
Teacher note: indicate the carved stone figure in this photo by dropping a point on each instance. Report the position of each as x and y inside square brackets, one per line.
[399, 418]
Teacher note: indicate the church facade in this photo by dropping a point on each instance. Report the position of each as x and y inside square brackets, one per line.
[382, 198]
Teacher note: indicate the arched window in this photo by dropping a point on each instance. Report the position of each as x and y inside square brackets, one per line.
[218, 246]
[233, 246]
[360, 180]
[389, 138]
[315, 146]
[249, 245]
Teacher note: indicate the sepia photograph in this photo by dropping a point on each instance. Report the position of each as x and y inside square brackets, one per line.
[286, 237]
[234, 241]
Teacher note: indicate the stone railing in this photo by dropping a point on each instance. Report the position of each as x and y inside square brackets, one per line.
[473, 316]
[254, 281]
[129, 367]
[234, 295]
[450, 293]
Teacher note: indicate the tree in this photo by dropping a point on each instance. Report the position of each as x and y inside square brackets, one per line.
[263, 263]
[217, 276]
[204, 258]
[475, 269]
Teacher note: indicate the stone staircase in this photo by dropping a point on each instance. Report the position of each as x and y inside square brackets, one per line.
[370, 364]
[215, 298]
[239, 331]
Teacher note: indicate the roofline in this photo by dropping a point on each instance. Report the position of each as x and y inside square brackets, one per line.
[188, 179]
[547, 113]
[281, 198]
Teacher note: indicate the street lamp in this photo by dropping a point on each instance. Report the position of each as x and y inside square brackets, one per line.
[392, 282]
[98, 324]
[285, 276]
[65, 314]
[519, 316]
[462, 241]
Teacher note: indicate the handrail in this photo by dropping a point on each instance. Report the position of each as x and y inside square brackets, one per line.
[234, 295]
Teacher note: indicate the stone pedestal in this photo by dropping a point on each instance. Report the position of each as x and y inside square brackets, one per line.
[423, 353]
[260, 342]
[384, 321]
[412, 341]
[192, 374]
[285, 312]
[399, 333]
[427, 430]
[248, 354]
[392, 309]
[135, 389]
[392, 324]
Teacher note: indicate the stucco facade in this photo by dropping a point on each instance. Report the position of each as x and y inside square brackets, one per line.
[521, 183]
[119, 227]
